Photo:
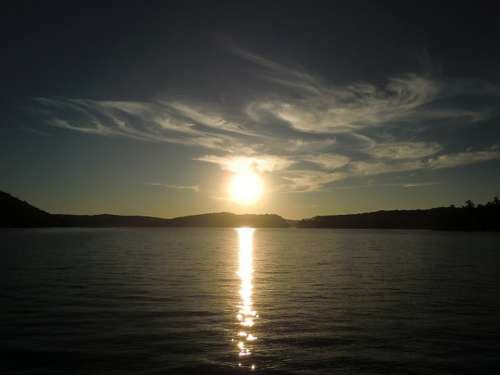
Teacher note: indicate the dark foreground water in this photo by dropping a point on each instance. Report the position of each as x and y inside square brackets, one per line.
[222, 301]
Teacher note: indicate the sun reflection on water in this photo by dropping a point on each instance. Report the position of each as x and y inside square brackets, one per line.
[246, 314]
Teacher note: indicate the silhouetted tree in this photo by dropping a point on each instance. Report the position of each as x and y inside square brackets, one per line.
[467, 217]
[469, 204]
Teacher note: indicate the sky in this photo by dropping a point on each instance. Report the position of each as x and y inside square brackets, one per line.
[149, 108]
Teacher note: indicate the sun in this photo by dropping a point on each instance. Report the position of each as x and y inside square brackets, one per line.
[246, 188]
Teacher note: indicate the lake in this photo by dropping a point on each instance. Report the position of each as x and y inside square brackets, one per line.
[268, 301]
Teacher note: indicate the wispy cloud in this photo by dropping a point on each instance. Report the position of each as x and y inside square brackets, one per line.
[145, 121]
[404, 150]
[305, 131]
[370, 168]
[261, 163]
[328, 161]
[353, 107]
[371, 184]
[309, 180]
[195, 188]
[411, 185]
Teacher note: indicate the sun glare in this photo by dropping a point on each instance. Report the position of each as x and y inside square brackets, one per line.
[246, 188]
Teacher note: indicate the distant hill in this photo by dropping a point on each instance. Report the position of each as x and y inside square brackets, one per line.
[225, 219]
[17, 213]
[469, 217]
[205, 220]
[106, 220]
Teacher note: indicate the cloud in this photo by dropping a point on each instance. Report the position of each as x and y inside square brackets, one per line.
[302, 146]
[195, 188]
[292, 78]
[307, 132]
[371, 184]
[353, 107]
[462, 158]
[236, 164]
[404, 150]
[411, 185]
[308, 180]
[208, 119]
[145, 121]
[328, 161]
[370, 168]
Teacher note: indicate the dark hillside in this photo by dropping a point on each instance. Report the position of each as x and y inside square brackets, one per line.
[469, 217]
[17, 213]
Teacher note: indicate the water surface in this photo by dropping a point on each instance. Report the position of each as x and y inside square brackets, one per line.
[292, 301]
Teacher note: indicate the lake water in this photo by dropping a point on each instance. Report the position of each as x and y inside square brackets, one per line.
[224, 301]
